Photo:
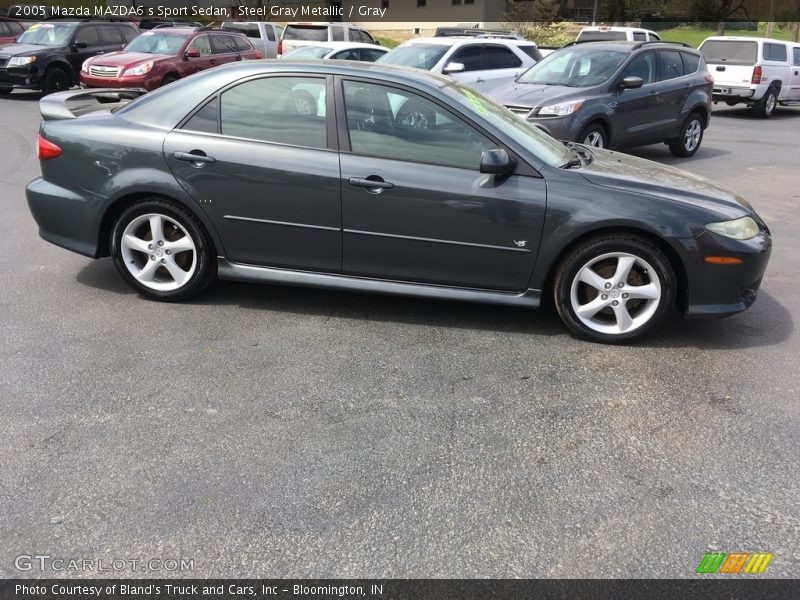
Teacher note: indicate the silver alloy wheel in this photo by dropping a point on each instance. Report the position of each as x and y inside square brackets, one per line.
[770, 104]
[158, 252]
[615, 293]
[692, 136]
[595, 139]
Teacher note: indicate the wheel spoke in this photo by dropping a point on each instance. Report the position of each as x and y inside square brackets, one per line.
[647, 291]
[180, 245]
[148, 271]
[624, 320]
[157, 227]
[590, 309]
[134, 243]
[178, 274]
[589, 277]
[624, 265]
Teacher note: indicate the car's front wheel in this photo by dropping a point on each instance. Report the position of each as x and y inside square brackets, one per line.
[594, 135]
[162, 250]
[55, 80]
[690, 137]
[614, 288]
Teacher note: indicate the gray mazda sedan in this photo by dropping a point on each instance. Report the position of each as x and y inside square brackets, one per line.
[381, 179]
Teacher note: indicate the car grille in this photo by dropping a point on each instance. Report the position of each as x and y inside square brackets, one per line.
[522, 111]
[99, 71]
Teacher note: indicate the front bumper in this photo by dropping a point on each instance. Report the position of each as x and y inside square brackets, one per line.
[19, 77]
[138, 81]
[716, 290]
[566, 128]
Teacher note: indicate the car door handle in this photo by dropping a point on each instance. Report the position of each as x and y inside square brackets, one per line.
[195, 156]
[373, 183]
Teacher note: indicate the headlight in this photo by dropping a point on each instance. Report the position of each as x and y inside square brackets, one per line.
[140, 70]
[19, 61]
[738, 229]
[560, 110]
[85, 66]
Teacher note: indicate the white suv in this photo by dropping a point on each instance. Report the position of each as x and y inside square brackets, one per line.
[761, 72]
[607, 34]
[483, 62]
[304, 34]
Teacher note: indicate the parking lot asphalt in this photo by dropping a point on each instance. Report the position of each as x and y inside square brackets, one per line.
[289, 432]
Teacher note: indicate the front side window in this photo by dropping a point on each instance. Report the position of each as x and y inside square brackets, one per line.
[469, 56]
[48, 34]
[577, 66]
[88, 36]
[796, 53]
[643, 66]
[671, 65]
[391, 123]
[282, 110]
[157, 43]
[110, 36]
[351, 54]
[202, 44]
[306, 52]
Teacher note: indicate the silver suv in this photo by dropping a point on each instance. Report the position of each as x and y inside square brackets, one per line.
[483, 63]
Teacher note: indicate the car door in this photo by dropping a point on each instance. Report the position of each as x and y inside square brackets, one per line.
[500, 66]
[636, 111]
[85, 44]
[260, 159]
[202, 43]
[471, 56]
[415, 206]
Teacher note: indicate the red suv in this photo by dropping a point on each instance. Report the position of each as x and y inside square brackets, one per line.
[9, 30]
[160, 56]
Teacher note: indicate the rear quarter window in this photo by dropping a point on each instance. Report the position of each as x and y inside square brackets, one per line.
[691, 62]
[775, 52]
[730, 52]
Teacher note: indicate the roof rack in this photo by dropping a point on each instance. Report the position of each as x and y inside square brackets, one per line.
[474, 32]
[640, 44]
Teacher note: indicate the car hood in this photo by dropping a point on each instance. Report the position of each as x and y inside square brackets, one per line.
[622, 171]
[535, 94]
[10, 50]
[126, 59]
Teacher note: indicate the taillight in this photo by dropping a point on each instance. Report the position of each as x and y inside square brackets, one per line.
[280, 47]
[756, 75]
[710, 78]
[258, 54]
[46, 149]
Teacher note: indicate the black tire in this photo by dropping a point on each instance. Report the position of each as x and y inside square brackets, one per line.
[201, 259]
[594, 135]
[168, 79]
[690, 137]
[603, 325]
[765, 107]
[56, 79]
[5, 91]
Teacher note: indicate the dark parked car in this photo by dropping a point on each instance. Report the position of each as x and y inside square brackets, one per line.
[161, 56]
[49, 55]
[617, 94]
[395, 181]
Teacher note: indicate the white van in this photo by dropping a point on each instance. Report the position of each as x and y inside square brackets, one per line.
[619, 34]
[760, 72]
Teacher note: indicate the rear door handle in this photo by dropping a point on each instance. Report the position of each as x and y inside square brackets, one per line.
[195, 156]
[374, 185]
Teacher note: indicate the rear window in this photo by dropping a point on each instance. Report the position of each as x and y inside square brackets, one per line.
[730, 52]
[600, 36]
[775, 52]
[306, 33]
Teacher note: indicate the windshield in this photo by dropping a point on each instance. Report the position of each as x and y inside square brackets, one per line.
[48, 34]
[528, 136]
[575, 67]
[307, 52]
[419, 56]
[151, 42]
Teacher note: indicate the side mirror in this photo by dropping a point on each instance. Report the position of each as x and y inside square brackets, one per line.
[453, 67]
[496, 161]
[79, 45]
[191, 53]
[631, 83]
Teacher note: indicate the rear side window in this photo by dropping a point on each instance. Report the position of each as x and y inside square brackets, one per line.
[370, 55]
[129, 33]
[222, 44]
[639, 36]
[775, 52]
[206, 119]
[242, 45]
[500, 57]
[691, 62]
[671, 65]
[730, 52]
[469, 56]
[532, 51]
[282, 110]
[87, 35]
[306, 33]
[110, 36]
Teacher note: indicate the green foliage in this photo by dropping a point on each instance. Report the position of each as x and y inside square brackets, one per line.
[550, 34]
[386, 42]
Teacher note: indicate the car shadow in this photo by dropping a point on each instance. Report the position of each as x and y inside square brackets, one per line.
[23, 95]
[660, 153]
[745, 112]
[766, 323]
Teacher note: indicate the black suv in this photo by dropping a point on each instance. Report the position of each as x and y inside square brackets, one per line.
[49, 55]
[617, 94]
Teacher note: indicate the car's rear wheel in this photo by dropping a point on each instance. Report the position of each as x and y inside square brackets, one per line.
[168, 79]
[614, 288]
[690, 137]
[766, 106]
[55, 80]
[594, 135]
[162, 250]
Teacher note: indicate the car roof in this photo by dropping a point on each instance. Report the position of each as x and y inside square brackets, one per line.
[744, 38]
[457, 40]
[610, 28]
[631, 45]
[318, 23]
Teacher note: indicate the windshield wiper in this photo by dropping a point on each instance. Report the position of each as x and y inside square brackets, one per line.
[581, 156]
